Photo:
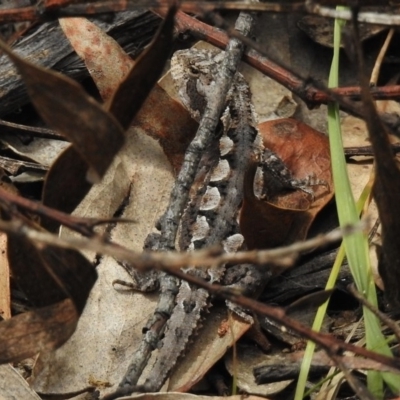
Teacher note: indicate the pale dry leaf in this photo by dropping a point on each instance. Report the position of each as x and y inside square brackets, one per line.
[247, 358]
[355, 133]
[110, 327]
[105, 60]
[14, 386]
[42, 151]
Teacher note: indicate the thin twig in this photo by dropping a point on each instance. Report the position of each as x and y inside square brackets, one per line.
[169, 261]
[383, 317]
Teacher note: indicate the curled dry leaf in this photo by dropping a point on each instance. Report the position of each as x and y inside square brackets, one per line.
[31, 273]
[248, 358]
[134, 89]
[49, 274]
[123, 84]
[305, 151]
[41, 151]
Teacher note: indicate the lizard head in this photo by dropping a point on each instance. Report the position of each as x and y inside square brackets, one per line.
[194, 72]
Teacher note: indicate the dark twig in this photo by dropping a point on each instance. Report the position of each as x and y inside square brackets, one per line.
[13, 128]
[81, 225]
[367, 150]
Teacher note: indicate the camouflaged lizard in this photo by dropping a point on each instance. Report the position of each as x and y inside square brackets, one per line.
[211, 216]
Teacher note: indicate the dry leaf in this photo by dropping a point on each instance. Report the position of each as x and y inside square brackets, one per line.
[106, 61]
[29, 333]
[41, 151]
[110, 328]
[14, 386]
[65, 185]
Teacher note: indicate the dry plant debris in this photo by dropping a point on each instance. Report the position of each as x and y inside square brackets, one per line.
[107, 162]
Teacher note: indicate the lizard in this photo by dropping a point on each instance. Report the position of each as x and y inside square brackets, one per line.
[215, 198]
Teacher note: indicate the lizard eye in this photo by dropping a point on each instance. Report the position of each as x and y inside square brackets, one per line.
[194, 71]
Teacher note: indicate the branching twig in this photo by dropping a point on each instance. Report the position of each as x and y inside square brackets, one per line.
[168, 261]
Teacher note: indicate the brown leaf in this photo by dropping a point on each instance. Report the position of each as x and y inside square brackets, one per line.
[49, 274]
[29, 333]
[267, 225]
[123, 83]
[30, 273]
[133, 91]
[72, 272]
[166, 120]
[64, 106]
[65, 185]
[46, 275]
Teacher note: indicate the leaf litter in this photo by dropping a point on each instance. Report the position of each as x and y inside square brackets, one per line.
[132, 180]
[134, 169]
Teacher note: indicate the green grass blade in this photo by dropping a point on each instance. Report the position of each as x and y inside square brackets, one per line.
[355, 247]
